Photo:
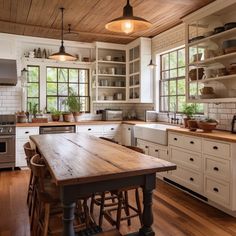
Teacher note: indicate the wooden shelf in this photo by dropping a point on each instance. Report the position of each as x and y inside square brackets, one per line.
[133, 74]
[134, 86]
[111, 75]
[110, 101]
[112, 62]
[213, 60]
[136, 59]
[212, 100]
[216, 79]
[110, 87]
[227, 33]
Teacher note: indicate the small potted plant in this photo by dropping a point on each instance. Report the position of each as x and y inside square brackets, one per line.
[189, 110]
[73, 104]
[55, 114]
[207, 125]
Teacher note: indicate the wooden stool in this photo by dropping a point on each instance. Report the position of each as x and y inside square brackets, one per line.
[119, 201]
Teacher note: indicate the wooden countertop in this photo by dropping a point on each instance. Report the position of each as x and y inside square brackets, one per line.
[83, 122]
[216, 134]
[83, 158]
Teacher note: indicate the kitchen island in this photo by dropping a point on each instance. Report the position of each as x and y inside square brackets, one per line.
[82, 164]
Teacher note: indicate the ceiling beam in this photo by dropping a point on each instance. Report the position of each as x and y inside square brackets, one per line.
[59, 30]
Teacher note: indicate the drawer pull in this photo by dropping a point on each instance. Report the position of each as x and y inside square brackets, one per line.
[215, 147]
[191, 159]
[128, 128]
[191, 142]
[89, 129]
[26, 132]
[191, 179]
[216, 190]
[146, 146]
[112, 128]
[156, 150]
[175, 139]
[216, 168]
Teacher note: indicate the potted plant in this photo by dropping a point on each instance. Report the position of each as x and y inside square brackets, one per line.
[55, 114]
[73, 104]
[207, 125]
[189, 110]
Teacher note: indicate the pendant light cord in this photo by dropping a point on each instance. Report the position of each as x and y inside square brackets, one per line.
[62, 23]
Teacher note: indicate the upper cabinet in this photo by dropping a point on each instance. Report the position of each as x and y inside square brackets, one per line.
[140, 79]
[121, 72]
[109, 73]
[211, 53]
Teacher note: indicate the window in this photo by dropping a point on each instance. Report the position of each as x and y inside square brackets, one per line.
[59, 80]
[172, 82]
[33, 86]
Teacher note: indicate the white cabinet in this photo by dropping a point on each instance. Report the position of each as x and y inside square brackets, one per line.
[107, 130]
[126, 134]
[209, 55]
[109, 73]
[140, 80]
[206, 166]
[22, 136]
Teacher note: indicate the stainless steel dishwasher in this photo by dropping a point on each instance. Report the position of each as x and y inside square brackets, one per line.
[60, 129]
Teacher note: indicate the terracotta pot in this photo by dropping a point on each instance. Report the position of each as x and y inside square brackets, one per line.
[55, 117]
[207, 127]
[186, 122]
[76, 116]
[68, 117]
[192, 125]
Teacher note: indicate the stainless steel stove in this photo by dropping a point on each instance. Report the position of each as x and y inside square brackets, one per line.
[7, 141]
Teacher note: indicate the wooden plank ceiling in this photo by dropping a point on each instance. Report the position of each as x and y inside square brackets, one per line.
[42, 18]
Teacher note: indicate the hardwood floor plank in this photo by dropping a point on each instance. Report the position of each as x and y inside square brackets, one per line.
[175, 212]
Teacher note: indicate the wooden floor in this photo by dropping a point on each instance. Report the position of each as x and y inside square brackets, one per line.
[175, 213]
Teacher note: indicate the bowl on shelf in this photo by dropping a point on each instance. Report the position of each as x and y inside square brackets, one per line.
[196, 38]
[218, 30]
[207, 126]
[229, 46]
[108, 58]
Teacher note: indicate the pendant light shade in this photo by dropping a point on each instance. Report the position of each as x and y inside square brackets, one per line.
[151, 65]
[62, 55]
[128, 23]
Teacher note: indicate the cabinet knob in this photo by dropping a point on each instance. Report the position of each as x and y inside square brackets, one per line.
[216, 190]
[156, 150]
[89, 129]
[215, 147]
[175, 139]
[191, 179]
[191, 142]
[146, 146]
[216, 168]
[191, 159]
[26, 132]
[112, 128]
[128, 128]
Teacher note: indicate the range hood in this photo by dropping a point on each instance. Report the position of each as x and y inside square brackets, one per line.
[8, 73]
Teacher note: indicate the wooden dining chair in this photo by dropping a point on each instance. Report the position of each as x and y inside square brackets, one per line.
[29, 153]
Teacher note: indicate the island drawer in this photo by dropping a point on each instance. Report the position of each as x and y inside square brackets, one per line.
[187, 142]
[190, 179]
[220, 168]
[215, 148]
[89, 128]
[217, 191]
[188, 159]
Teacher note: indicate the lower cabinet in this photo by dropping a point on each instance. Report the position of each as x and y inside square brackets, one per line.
[205, 166]
[22, 136]
[112, 131]
[127, 134]
[155, 150]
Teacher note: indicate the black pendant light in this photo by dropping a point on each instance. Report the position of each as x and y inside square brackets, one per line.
[62, 55]
[151, 64]
[128, 23]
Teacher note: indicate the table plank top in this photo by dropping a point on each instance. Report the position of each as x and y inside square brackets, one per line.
[82, 158]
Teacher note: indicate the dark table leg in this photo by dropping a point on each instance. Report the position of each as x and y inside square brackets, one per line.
[146, 229]
[68, 214]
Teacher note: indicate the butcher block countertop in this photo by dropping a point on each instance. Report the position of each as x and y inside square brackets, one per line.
[216, 134]
[84, 122]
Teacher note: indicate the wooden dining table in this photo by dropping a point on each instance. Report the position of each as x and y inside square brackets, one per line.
[81, 164]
